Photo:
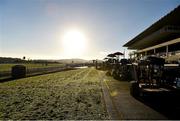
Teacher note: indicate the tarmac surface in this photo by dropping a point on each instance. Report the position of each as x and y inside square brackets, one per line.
[121, 105]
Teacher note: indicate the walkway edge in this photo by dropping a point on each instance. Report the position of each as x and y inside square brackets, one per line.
[110, 107]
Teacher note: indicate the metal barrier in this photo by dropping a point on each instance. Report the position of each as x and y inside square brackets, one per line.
[34, 71]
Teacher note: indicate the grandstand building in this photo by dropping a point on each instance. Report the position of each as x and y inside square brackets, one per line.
[161, 39]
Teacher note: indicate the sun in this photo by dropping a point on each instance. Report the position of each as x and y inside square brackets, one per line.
[74, 43]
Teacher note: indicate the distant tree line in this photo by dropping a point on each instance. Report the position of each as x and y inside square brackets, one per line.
[11, 60]
[4, 60]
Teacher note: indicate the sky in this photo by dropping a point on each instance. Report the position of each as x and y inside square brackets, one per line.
[52, 29]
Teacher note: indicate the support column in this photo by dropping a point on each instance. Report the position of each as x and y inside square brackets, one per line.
[167, 51]
[154, 51]
[145, 53]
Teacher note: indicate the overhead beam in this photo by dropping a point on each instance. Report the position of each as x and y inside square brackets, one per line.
[160, 45]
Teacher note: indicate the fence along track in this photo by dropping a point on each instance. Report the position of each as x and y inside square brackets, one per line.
[34, 71]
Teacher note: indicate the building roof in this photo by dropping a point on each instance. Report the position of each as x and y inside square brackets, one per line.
[158, 32]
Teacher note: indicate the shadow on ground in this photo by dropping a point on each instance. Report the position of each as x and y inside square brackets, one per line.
[167, 105]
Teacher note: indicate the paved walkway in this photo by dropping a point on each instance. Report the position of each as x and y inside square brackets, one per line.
[121, 105]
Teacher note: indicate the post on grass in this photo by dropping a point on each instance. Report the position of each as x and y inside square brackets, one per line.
[96, 64]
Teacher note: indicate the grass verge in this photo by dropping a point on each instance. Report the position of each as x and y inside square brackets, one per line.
[74, 94]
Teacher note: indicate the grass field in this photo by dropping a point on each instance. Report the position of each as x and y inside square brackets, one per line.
[7, 67]
[74, 94]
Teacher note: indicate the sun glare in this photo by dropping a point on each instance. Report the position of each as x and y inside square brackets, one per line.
[74, 43]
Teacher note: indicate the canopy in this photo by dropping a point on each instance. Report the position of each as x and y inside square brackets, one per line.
[167, 28]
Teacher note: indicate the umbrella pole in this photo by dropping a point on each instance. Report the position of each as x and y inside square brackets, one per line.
[118, 58]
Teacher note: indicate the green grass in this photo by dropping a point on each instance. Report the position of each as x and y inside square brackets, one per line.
[7, 67]
[74, 94]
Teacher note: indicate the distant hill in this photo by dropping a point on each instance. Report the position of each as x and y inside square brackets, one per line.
[68, 61]
[65, 61]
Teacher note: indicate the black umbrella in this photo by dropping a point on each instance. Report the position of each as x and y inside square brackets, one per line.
[118, 53]
[111, 55]
[105, 58]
